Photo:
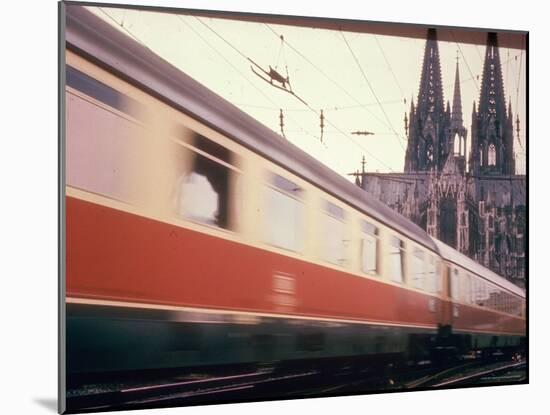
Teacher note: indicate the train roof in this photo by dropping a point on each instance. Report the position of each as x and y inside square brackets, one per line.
[452, 255]
[105, 45]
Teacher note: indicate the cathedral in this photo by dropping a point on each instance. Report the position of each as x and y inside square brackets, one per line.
[472, 200]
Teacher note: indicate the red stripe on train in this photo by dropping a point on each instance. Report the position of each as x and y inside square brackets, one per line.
[116, 255]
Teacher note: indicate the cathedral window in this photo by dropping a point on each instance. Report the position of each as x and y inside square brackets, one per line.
[480, 155]
[492, 155]
[430, 154]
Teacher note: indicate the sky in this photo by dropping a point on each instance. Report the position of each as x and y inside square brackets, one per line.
[361, 81]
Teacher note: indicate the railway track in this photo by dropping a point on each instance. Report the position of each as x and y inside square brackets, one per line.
[189, 390]
[264, 383]
[470, 374]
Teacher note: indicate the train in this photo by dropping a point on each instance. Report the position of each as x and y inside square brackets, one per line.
[196, 236]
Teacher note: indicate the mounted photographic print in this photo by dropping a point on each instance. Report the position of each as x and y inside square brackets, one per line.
[259, 207]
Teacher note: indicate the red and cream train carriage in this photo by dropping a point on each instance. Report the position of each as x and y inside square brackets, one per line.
[197, 236]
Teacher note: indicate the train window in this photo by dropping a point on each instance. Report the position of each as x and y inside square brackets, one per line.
[101, 92]
[506, 307]
[465, 289]
[507, 299]
[334, 238]
[498, 299]
[475, 289]
[454, 284]
[397, 265]
[369, 248]
[509, 302]
[517, 309]
[472, 289]
[335, 211]
[104, 150]
[432, 280]
[523, 308]
[204, 189]
[284, 214]
[440, 271]
[481, 292]
[417, 275]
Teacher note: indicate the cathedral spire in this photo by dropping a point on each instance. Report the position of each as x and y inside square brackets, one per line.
[491, 98]
[458, 132]
[456, 117]
[429, 141]
[492, 150]
[430, 93]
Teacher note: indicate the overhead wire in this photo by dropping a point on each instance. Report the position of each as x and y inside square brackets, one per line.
[372, 90]
[334, 108]
[479, 53]
[351, 139]
[332, 81]
[218, 35]
[465, 61]
[359, 105]
[308, 106]
[517, 90]
[507, 66]
[232, 65]
[519, 78]
[517, 101]
[389, 66]
[119, 24]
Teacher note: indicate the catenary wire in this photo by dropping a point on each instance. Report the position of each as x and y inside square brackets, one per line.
[312, 109]
[372, 90]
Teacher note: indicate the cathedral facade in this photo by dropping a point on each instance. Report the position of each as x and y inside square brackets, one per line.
[472, 200]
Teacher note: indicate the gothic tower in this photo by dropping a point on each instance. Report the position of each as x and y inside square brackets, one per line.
[457, 131]
[479, 211]
[492, 151]
[428, 142]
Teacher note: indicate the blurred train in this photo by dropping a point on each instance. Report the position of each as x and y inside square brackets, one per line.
[197, 236]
